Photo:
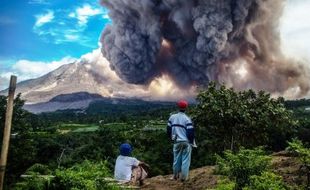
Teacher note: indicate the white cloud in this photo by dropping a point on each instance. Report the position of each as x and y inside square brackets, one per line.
[70, 25]
[25, 69]
[72, 15]
[62, 35]
[4, 81]
[105, 16]
[85, 12]
[295, 29]
[44, 18]
[72, 37]
[31, 69]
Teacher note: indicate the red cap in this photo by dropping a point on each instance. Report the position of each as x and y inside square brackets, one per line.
[182, 104]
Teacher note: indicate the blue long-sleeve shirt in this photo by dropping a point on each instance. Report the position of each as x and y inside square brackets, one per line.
[180, 128]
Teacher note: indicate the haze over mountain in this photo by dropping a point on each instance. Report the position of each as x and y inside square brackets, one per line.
[92, 74]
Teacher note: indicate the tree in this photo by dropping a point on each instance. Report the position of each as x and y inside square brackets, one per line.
[232, 119]
[21, 150]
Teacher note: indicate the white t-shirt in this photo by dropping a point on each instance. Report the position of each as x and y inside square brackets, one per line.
[123, 167]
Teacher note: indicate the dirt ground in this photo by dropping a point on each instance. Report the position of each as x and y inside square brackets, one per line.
[201, 178]
[204, 178]
[289, 168]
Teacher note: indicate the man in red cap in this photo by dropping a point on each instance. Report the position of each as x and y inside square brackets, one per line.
[181, 131]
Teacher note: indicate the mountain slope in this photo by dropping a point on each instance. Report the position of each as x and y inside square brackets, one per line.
[95, 104]
[92, 76]
[74, 101]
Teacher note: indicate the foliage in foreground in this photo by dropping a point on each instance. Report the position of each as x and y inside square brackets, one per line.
[241, 166]
[266, 181]
[303, 153]
[87, 175]
[225, 185]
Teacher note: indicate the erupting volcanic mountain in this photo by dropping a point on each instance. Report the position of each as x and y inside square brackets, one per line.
[89, 79]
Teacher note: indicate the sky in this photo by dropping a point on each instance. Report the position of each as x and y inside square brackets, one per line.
[295, 29]
[38, 36]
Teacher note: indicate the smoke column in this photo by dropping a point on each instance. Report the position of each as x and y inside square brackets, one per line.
[196, 41]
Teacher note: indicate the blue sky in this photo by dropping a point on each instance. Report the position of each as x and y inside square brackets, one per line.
[34, 33]
[37, 36]
[45, 30]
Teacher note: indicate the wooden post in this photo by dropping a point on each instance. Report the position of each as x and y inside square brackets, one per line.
[7, 130]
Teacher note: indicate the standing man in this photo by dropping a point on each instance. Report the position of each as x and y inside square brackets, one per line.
[181, 131]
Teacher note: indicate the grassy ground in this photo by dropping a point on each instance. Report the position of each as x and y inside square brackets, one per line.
[86, 129]
[73, 127]
[77, 128]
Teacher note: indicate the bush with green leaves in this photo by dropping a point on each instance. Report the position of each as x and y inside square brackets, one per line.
[225, 185]
[34, 182]
[240, 166]
[37, 177]
[231, 119]
[297, 147]
[38, 169]
[87, 175]
[266, 181]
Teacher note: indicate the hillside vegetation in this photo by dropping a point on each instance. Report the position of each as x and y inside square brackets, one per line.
[73, 150]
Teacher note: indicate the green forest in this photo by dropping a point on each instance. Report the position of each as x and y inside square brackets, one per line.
[236, 131]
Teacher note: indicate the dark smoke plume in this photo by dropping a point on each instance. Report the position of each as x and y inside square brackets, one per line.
[196, 41]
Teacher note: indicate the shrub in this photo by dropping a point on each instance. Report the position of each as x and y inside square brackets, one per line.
[303, 153]
[266, 181]
[38, 169]
[225, 185]
[32, 183]
[240, 166]
[37, 177]
[86, 175]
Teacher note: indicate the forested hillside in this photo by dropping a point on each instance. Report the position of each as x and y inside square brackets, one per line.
[77, 150]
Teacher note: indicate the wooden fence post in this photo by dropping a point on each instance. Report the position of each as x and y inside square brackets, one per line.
[7, 130]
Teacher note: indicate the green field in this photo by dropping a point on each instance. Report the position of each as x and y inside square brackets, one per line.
[86, 129]
[81, 128]
[73, 127]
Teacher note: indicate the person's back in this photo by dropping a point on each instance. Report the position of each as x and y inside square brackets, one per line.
[129, 169]
[180, 125]
[181, 131]
[123, 168]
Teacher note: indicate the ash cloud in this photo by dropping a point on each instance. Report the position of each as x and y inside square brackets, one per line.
[197, 41]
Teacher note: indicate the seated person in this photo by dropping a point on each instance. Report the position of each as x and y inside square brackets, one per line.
[129, 169]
